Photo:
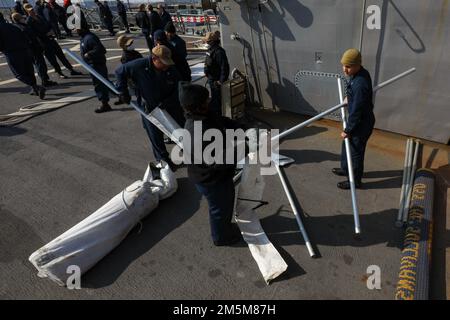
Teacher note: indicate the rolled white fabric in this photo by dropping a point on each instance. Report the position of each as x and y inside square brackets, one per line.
[269, 261]
[89, 241]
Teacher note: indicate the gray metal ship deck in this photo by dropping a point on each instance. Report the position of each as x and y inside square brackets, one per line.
[59, 167]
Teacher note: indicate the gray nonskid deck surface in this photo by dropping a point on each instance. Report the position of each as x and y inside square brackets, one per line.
[57, 168]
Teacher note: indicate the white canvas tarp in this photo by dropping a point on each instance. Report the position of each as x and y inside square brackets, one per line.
[250, 191]
[93, 238]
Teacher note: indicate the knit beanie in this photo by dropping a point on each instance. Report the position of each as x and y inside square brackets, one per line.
[351, 57]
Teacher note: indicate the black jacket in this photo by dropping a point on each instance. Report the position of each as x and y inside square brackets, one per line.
[180, 46]
[180, 62]
[19, 9]
[92, 45]
[34, 42]
[104, 12]
[12, 39]
[60, 12]
[39, 9]
[155, 22]
[50, 14]
[203, 173]
[128, 56]
[143, 21]
[361, 119]
[121, 10]
[165, 19]
[216, 64]
[41, 28]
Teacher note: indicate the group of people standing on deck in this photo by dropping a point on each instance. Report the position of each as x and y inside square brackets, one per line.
[31, 38]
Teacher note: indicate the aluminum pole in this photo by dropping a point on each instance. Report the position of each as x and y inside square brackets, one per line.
[308, 122]
[333, 109]
[408, 177]
[296, 213]
[411, 182]
[160, 118]
[351, 176]
[406, 172]
[398, 77]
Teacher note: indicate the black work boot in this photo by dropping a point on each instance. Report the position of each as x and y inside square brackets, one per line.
[118, 102]
[345, 185]
[49, 83]
[234, 236]
[339, 172]
[105, 107]
[39, 91]
[62, 75]
[74, 72]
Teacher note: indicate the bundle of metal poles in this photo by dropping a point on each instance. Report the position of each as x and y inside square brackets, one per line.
[409, 171]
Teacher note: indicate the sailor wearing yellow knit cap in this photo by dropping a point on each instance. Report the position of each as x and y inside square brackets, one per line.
[361, 119]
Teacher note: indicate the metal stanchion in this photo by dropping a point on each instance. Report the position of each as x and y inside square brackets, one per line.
[351, 176]
[411, 182]
[406, 173]
[296, 212]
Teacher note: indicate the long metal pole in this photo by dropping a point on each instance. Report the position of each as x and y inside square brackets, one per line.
[150, 117]
[411, 182]
[296, 213]
[351, 176]
[333, 109]
[406, 172]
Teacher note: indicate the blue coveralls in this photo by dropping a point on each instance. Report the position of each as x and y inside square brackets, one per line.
[158, 88]
[92, 45]
[216, 69]
[361, 121]
[14, 44]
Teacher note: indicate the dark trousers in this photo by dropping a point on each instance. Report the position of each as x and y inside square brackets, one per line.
[124, 19]
[40, 66]
[21, 65]
[156, 136]
[101, 90]
[215, 106]
[148, 39]
[109, 25]
[220, 197]
[55, 28]
[358, 145]
[63, 21]
[53, 51]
